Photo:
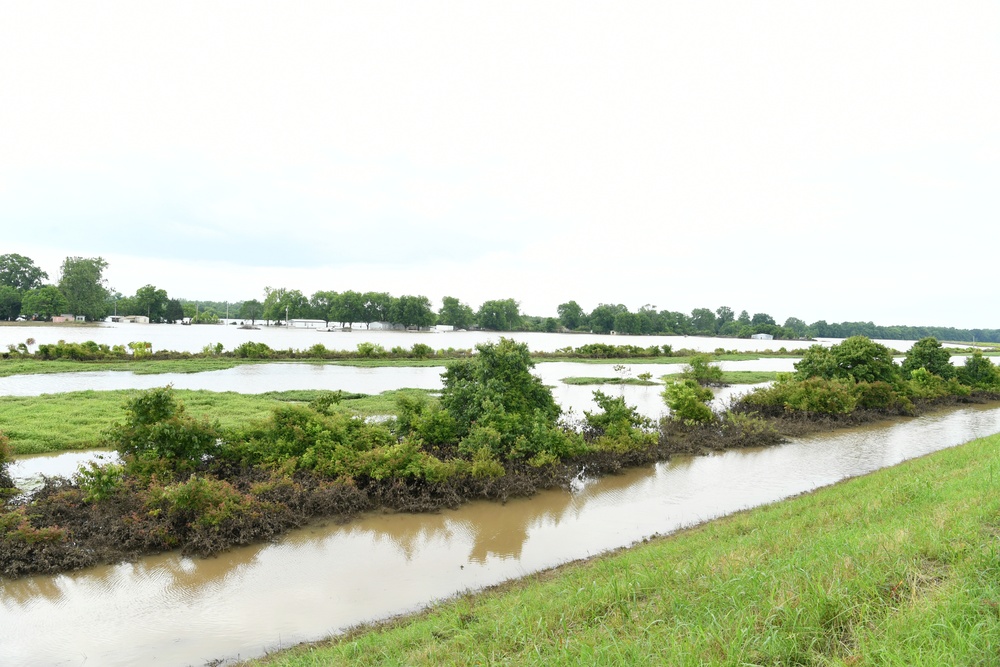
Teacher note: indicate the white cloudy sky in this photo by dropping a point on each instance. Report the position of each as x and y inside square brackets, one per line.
[835, 160]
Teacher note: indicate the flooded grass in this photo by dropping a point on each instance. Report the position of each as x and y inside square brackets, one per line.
[733, 377]
[896, 568]
[605, 380]
[76, 420]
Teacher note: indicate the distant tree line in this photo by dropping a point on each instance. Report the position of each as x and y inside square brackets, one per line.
[82, 290]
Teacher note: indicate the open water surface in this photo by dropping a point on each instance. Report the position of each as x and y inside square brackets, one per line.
[194, 338]
[173, 610]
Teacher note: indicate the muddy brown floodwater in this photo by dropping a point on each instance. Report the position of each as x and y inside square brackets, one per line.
[173, 610]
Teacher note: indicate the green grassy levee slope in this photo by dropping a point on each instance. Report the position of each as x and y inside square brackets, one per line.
[900, 567]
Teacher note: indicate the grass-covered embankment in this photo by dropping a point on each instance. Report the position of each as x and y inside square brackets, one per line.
[900, 567]
[76, 420]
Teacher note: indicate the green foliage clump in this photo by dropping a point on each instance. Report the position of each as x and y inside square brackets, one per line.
[85, 351]
[688, 402]
[701, 370]
[253, 350]
[812, 395]
[371, 350]
[928, 354]
[857, 358]
[882, 396]
[618, 426]
[200, 500]
[421, 351]
[925, 385]
[324, 403]
[7, 488]
[334, 445]
[157, 427]
[495, 392]
[427, 420]
[100, 482]
[979, 373]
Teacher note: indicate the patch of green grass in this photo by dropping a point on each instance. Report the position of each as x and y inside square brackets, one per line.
[900, 567]
[593, 380]
[750, 356]
[76, 420]
[734, 377]
[10, 367]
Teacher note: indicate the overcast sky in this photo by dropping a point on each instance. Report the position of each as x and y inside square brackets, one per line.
[835, 160]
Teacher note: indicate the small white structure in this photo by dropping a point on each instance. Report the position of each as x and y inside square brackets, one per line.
[442, 328]
[136, 319]
[762, 336]
[307, 324]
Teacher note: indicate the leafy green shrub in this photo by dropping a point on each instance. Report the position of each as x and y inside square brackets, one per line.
[252, 350]
[881, 396]
[928, 354]
[979, 372]
[821, 396]
[156, 427]
[324, 403]
[99, 482]
[813, 395]
[745, 430]
[496, 389]
[924, 384]
[702, 371]
[6, 483]
[618, 426]
[370, 350]
[688, 402]
[317, 351]
[482, 439]
[485, 465]
[421, 351]
[856, 358]
[205, 501]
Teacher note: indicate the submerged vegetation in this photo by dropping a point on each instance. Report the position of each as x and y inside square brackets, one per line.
[188, 478]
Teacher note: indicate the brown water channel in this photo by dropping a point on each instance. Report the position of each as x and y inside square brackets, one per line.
[173, 610]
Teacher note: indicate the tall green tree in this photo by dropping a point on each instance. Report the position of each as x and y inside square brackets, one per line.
[151, 302]
[348, 308]
[174, 311]
[10, 303]
[456, 313]
[378, 307]
[723, 316]
[20, 272]
[83, 284]
[251, 310]
[798, 327]
[602, 318]
[499, 315]
[321, 303]
[703, 321]
[44, 302]
[413, 311]
[571, 315]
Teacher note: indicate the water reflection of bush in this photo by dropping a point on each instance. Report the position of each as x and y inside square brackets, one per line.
[187, 577]
[498, 531]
